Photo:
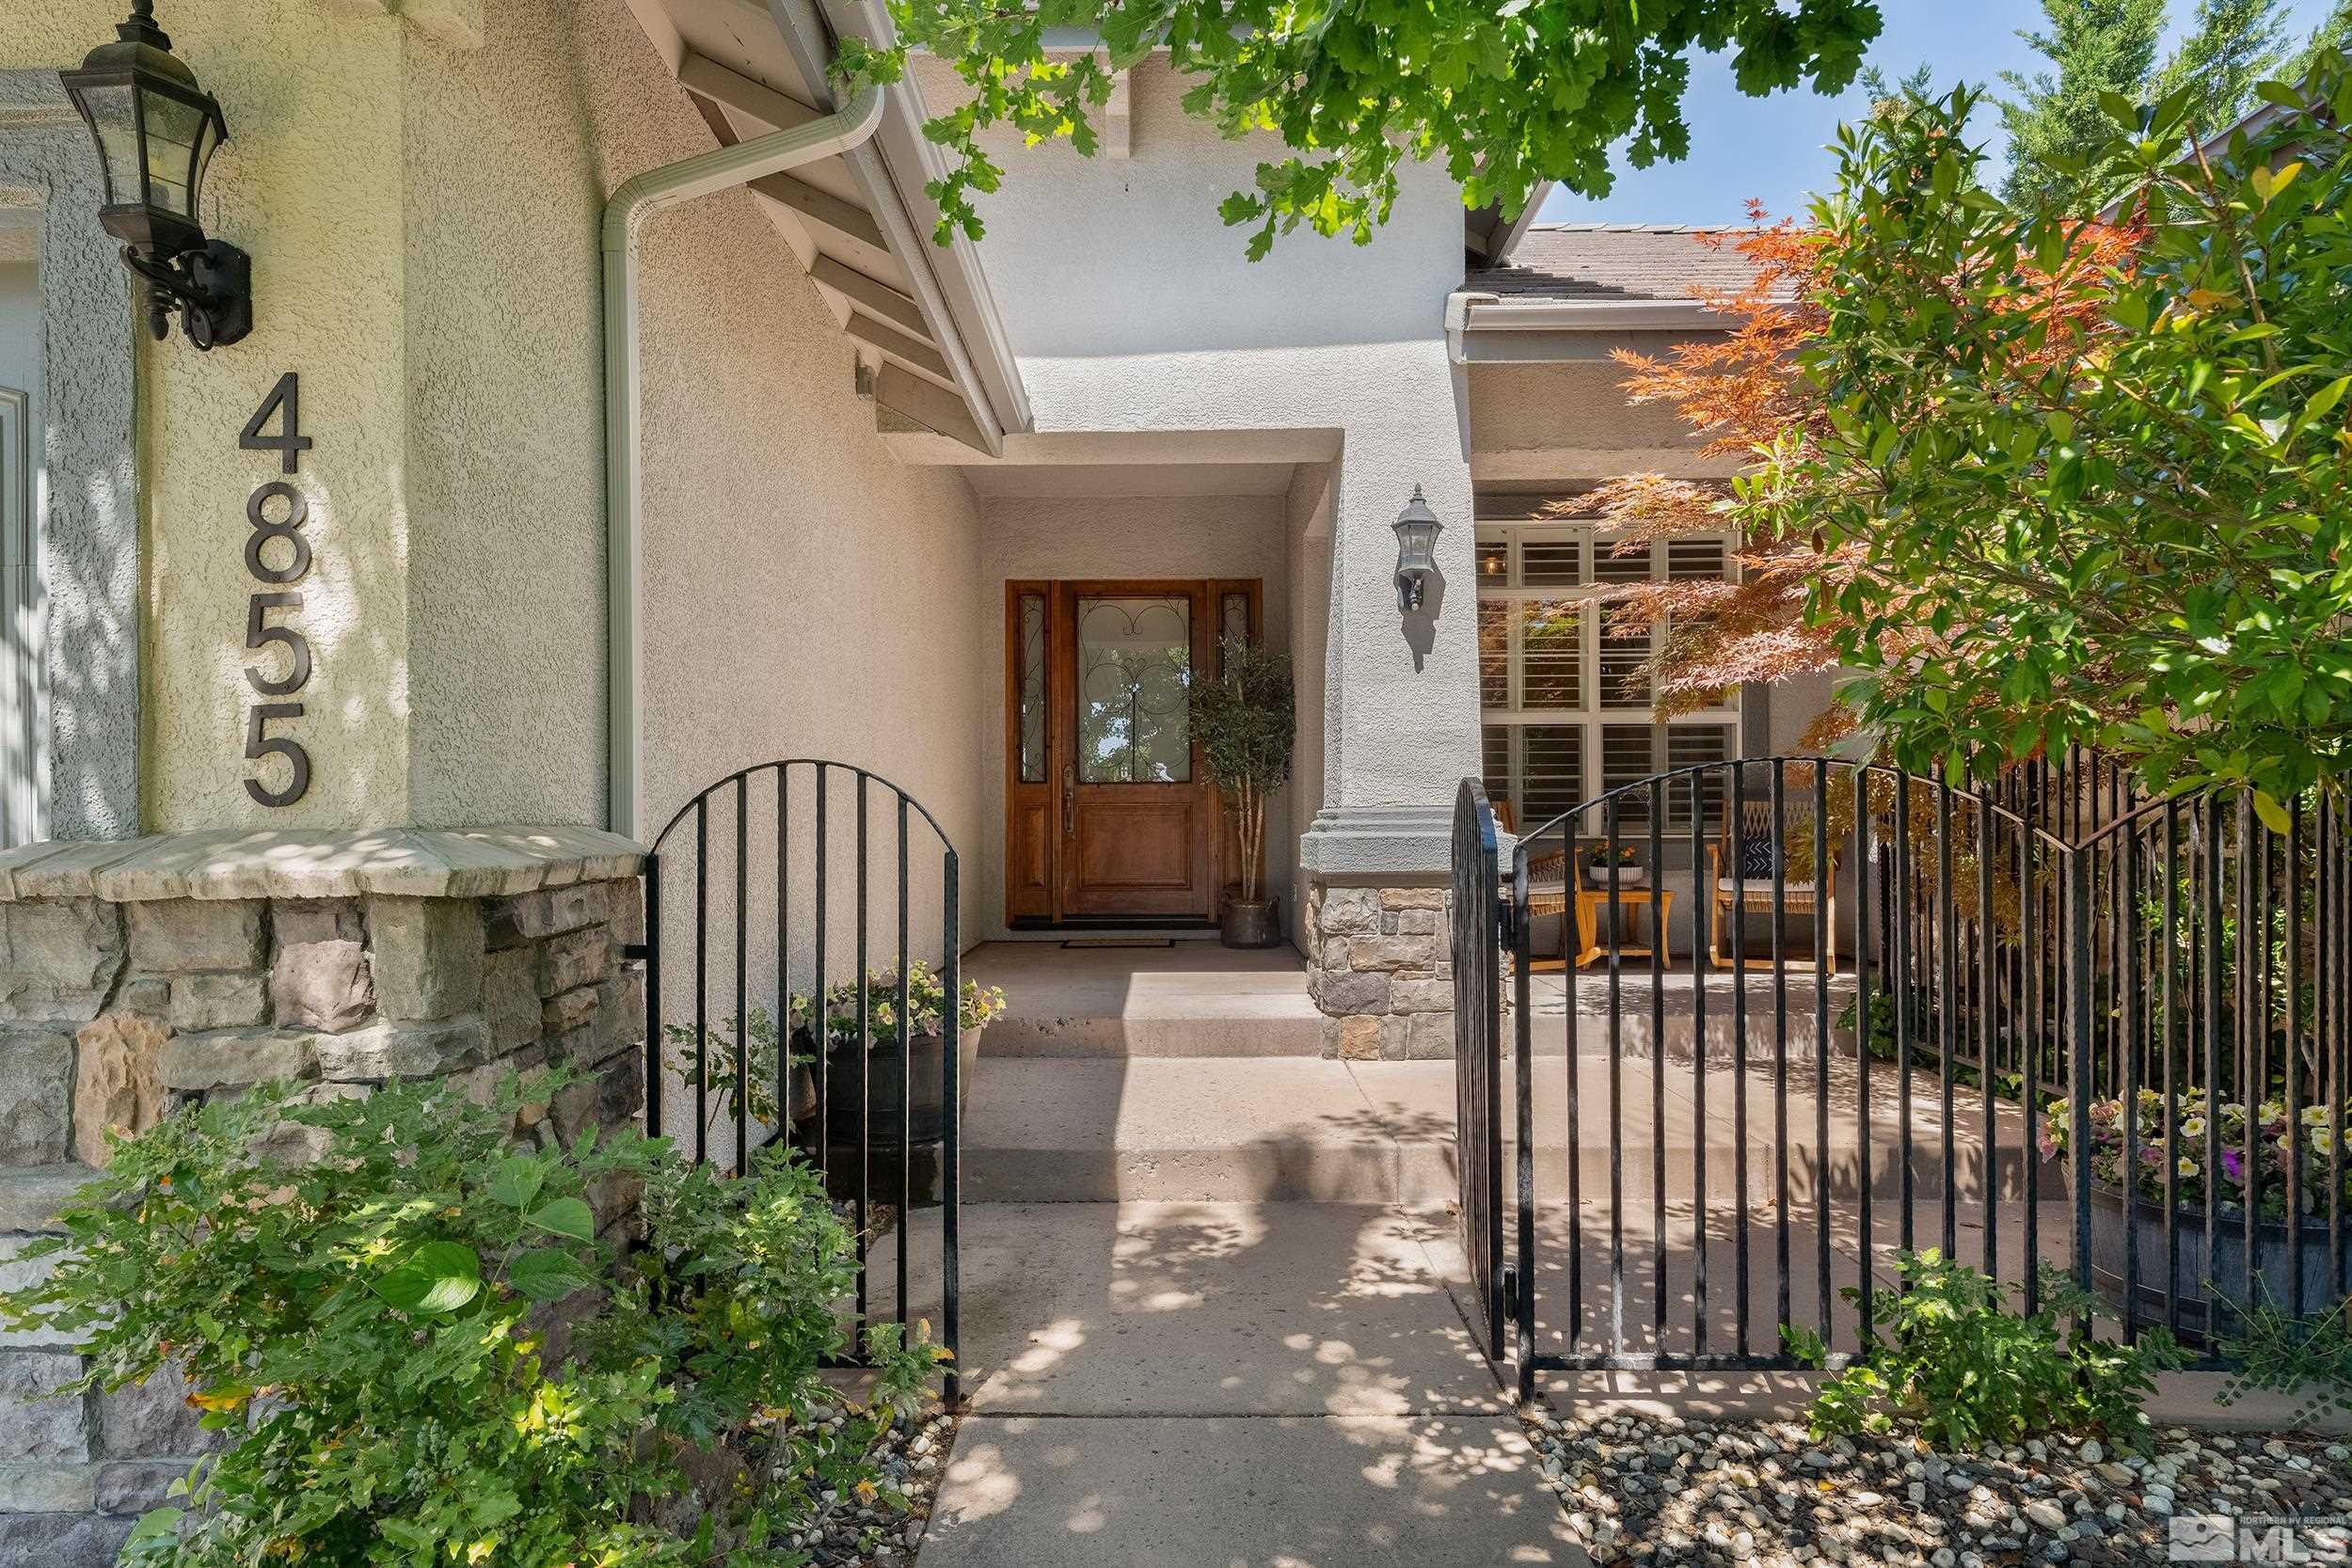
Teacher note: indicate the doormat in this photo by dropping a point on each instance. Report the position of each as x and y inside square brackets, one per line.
[1120, 942]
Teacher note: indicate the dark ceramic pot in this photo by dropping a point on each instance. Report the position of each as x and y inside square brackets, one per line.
[1248, 924]
[926, 1063]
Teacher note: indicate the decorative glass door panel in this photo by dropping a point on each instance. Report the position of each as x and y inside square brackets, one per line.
[1134, 679]
[1121, 823]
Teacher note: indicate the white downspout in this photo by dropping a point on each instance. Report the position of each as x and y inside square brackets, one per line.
[704, 174]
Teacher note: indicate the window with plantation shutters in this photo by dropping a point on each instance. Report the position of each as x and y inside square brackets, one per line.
[1564, 694]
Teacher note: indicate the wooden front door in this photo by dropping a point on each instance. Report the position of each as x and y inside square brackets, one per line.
[1110, 813]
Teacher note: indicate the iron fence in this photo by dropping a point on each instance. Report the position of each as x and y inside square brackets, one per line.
[779, 1046]
[2073, 1027]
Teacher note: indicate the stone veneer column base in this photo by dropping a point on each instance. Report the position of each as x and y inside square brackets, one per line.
[1380, 965]
[143, 974]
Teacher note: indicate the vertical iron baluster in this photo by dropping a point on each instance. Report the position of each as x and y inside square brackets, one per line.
[906, 1065]
[2032, 970]
[2170, 946]
[1616, 1095]
[1989, 1027]
[1905, 889]
[742, 972]
[2335, 945]
[2208, 946]
[784, 953]
[2253, 1019]
[2078, 1096]
[702, 978]
[654, 1072]
[820, 1008]
[1657, 803]
[1946, 1006]
[2125, 988]
[1738, 1041]
[1576, 1109]
[1523, 1071]
[951, 1108]
[1699, 895]
[2294, 987]
[865, 1061]
[1780, 1034]
[1864, 1338]
[1825, 879]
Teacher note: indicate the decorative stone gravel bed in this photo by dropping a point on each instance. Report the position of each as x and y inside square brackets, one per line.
[856, 1532]
[1662, 1490]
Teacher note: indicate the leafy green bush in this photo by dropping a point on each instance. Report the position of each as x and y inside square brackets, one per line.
[1967, 1373]
[376, 1323]
[2307, 1359]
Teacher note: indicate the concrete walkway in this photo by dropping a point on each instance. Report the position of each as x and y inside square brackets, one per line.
[1227, 1386]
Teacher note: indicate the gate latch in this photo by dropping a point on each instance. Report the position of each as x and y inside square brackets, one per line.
[1510, 1285]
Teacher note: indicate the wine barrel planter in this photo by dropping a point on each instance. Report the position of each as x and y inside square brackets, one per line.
[2203, 1270]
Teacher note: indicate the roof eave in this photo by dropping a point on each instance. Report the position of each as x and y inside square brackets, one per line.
[946, 280]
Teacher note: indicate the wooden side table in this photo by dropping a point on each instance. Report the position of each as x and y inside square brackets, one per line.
[1590, 901]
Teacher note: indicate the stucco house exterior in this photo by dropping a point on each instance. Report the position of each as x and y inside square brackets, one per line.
[608, 493]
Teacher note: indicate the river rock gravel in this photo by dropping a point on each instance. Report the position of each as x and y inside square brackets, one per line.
[1662, 1490]
[852, 1531]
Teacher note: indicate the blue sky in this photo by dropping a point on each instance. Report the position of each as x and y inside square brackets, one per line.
[1771, 147]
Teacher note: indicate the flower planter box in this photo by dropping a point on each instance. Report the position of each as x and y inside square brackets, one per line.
[2203, 1270]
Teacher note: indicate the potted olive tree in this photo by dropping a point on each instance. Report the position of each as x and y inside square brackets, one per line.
[1244, 723]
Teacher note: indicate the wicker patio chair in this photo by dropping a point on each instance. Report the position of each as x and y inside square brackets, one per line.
[1548, 889]
[1765, 841]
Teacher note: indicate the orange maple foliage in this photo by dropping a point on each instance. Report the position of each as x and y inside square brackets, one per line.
[1743, 392]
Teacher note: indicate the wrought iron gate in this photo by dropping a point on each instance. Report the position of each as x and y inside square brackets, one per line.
[1477, 1079]
[782, 1044]
[1903, 1009]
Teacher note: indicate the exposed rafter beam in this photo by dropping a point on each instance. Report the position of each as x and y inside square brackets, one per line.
[825, 210]
[707, 79]
[1118, 118]
[932, 407]
[910, 352]
[871, 295]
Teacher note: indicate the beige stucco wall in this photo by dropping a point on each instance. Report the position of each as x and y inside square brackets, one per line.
[310, 182]
[424, 220]
[1556, 423]
[1127, 537]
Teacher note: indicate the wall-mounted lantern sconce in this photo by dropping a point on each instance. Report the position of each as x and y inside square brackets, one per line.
[1417, 530]
[156, 129]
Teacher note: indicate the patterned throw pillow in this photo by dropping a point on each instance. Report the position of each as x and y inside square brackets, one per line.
[1759, 856]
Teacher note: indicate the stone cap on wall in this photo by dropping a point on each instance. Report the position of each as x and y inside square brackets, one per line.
[241, 863]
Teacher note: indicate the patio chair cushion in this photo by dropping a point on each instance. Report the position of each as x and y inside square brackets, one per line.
[1759, 856]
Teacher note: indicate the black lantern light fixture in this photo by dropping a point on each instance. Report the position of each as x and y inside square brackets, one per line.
[156, 129]
[1417, 530]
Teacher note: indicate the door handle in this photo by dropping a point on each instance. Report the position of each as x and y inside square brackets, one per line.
[1069, 799]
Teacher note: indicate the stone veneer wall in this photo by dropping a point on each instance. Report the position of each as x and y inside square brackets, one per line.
[134, 978]
[1380, 965]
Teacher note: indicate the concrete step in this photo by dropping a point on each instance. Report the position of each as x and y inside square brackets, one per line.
[1314, 1131]
[1187, 999]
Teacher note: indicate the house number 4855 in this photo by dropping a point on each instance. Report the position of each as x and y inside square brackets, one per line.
[278, 556]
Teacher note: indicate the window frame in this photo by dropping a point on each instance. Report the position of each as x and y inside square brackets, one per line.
[1595, 715]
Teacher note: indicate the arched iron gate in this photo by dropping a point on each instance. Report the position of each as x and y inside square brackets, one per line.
[1982, 981]
[753, 878]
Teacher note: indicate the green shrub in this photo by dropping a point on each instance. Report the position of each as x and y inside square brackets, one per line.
[373, 1321]
[1966, 1373]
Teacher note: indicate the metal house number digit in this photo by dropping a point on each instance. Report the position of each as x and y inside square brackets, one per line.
[277, 554]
